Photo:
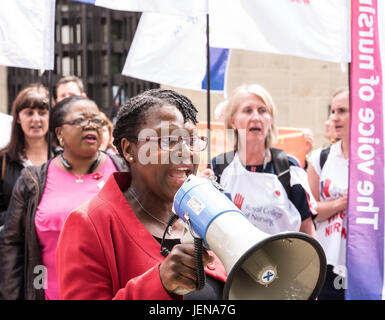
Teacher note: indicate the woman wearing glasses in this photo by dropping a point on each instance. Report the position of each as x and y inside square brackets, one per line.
[110, 248]
[44, 196]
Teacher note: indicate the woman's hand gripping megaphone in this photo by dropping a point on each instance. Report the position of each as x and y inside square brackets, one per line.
[183, 269]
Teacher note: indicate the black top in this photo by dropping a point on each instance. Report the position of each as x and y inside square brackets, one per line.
[11, 174]
[213, 288]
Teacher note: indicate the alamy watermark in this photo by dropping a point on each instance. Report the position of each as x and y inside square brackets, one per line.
[149, 151]
[339, 281]
[40, 280]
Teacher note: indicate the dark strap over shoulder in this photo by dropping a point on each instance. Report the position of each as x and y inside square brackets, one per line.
[3, 165]
[280, 163]
[221, 162]
[282, 168]
[324, 155]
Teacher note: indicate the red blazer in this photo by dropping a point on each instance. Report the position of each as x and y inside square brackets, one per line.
[104, 252]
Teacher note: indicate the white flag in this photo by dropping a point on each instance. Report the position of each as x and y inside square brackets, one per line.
[178, 7]
[5, 129]
[27, 33]
[171, 50]
[315, 29]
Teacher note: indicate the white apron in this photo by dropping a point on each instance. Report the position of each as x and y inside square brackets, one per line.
[332, 233]
[261, 197]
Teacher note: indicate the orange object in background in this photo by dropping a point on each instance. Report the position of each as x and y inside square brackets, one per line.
[291, 140]
[220, 142]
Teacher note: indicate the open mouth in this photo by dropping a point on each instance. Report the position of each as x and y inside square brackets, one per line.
[90, 138]
[255, 129]
[181, 173]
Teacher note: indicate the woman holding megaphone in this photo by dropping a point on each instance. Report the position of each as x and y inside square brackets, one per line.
[110, 247]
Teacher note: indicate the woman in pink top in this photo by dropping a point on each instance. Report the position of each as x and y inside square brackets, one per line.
[44, 196]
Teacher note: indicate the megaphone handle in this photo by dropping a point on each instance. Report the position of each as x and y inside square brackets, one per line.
[173, 217]
[198, 254]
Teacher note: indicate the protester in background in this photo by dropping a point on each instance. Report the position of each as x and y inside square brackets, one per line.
[69, 86]
[220, 111]
[107, 137]
[328, 179]
[330, 132]
[249, 174]
[6, 128]
[309, 145]
[28, 144]
[43, 197]
[110, 247]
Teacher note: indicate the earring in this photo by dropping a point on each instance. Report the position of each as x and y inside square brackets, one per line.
[61, 142]
[131, 158]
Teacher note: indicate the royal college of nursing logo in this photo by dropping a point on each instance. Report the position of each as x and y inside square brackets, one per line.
[238, 200]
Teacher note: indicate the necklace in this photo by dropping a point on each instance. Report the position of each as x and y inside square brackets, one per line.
[68, 166]
[169, 229]
[265, 159]
[79, 178]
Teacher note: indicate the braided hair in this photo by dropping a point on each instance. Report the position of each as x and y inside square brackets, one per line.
[132, 114]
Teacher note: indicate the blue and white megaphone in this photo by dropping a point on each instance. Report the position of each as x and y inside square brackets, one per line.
[289, 265]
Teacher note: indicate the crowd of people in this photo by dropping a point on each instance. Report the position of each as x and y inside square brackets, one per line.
[84, 204]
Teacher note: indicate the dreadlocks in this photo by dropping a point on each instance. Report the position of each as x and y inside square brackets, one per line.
[132, 114]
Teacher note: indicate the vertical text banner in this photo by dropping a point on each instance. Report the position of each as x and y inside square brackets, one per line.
[365, 242]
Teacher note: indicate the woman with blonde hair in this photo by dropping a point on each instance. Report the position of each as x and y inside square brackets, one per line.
[266, 184]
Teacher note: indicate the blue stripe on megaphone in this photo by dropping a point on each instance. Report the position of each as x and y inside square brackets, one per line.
[203, 203]
[85, 1]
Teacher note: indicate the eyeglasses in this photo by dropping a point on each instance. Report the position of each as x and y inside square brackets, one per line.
[82, 122]
[171, 143]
